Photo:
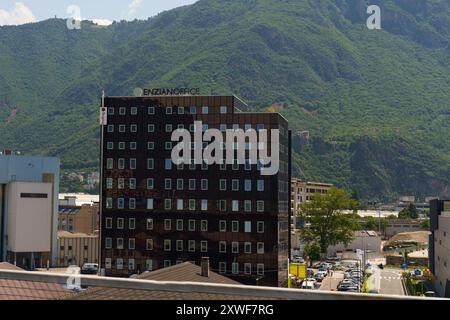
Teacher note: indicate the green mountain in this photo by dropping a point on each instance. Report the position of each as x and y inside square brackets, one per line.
[375, 103]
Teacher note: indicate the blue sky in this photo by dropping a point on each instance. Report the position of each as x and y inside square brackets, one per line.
[14, 12]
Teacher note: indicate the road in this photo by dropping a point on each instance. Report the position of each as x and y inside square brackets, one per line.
[331, 283]
[390, 282]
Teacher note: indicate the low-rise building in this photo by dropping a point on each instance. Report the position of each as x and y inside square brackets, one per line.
[77, 248]
[363, 240]
[78, 219]
[28, 210]
[394, 226]
[439, 245]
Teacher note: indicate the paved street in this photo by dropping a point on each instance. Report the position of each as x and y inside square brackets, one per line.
[331, 283]
[390, 281]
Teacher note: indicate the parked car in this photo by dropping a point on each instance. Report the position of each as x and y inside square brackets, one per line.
[319, 276]
[298, 260]
[89, 268]
[309, 284]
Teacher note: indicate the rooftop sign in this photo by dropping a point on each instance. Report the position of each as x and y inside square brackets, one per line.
[171, 92]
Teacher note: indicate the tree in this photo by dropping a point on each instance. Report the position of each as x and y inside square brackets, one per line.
[370, 224]
[425, 224]
[311, 252]
[410, 212]
[327, 223]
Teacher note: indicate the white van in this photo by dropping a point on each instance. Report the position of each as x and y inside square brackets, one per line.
[308, 284]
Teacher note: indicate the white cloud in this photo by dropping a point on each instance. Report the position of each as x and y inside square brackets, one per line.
[20, 14]
[102, 22]
[134, 5]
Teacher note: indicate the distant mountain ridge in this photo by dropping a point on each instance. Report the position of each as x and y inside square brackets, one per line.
[376, 103]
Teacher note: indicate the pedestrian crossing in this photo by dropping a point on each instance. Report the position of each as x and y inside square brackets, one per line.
[391, 278]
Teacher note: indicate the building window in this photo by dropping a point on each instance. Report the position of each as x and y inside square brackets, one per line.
[260, 227]
[169, 128]
[120, 223]
[248, 247]
[110, 111]
[119, 264]
[180, 184]
[222, 226]
[108, 223]
[119, 243]
[131, 264]
[149, 265]
[132, 183]
[260, 269]
[132, 164]
[247, 165]
[150, 164]
[260, 185]
[108, 243]
[222, 267]
[169, 110]
[235, 165]
[191, 225]
[204, 205]
[191, 246]
[235, 185]
[248, 268]
[180, 204]
[149, 224]
[120, 183]
[223, 109]
[260, 248]
[204, 166]
[110, 128]
[193, 110]
[120, 203]
[149, 244]
[151, 110]
[248, 185]
[168, 164]
[204, 184]
[203, 246]
[151, 128]
[150, 183]
[223, 205]
[260, 205]
[121, 145]
[109, 202]
[110, 145]
[191, 204]
[235, 268]
[109, 183]
[192, 184]
[150, 204]
[205, 110]
[180, 110]
[167, 263]
[248, 227]
[134, 111]
[122, 128]
[108, 263]
[223, 165]
[121, 163]
[150, 145]
[133, 128]
[167, 245]
[235, 247]
[234, 226]
[222, 185]
[247, 205]
[131, 243]
[132, 223]
[235, 205]
[168, 145]
[222, 247]
[109, 164]
[167, 224]
[179, 245]
[179, 225]
[133, 145]
[168, 184]
[204, 225]
[132, 203]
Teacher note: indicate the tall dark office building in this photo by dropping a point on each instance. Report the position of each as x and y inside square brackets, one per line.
[155, 213]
